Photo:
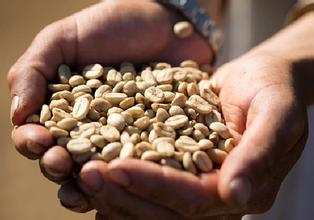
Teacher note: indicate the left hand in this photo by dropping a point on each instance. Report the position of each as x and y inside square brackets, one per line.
[263, 107]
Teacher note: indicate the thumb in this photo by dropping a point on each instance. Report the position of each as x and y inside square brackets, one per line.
[274, 130]
[28, 77]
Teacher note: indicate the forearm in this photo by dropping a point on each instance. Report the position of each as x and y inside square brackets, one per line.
[295, 43]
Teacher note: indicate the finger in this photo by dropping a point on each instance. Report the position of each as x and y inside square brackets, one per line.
[56, 164]
[28, 76]
[110, 199]
[72, 198]
[185, 193]
[273, 127]
[32, 140]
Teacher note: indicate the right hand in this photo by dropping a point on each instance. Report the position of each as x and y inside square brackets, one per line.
[109, 33]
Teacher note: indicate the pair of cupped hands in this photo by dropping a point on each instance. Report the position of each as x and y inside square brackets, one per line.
[259, 97]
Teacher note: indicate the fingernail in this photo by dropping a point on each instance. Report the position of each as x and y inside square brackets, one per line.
[119, 177]
[240, 189]
[14, 106]
[92, 179]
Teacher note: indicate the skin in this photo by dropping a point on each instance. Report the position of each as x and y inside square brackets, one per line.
[262, 101]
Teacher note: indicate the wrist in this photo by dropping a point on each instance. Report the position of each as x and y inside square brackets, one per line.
[295, 45]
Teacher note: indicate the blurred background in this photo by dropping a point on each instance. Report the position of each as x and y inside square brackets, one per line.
[26, 195]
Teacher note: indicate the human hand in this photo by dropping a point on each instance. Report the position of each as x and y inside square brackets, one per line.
[263, 107]
[110, 32]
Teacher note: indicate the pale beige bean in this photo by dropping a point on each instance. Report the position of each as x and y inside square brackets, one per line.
[100, 104]
[98, 140]
[81, 108]
[179, 100]
[214, 137]
[113, 77]
[216, 155]
[177, 121]
[180, 74]
[191, 113]
[49, 124]
[141, 147]
[169, 96]
[59, 114]
[210, 96]
[64, 73]
[192, 89]
[199, 104]
[127, 103]
[135, 112]
[201, 127]
[111, 151]
[183, 29]
[130, 88]
[127, 151]
[110, 133]
[156, 106]
[188, 163]
[165, 76]
[58, 87]
[148, 77]
[171, 163]
[94, 83]
[189, 63]
[182, 88]
[176, 110]
[163, 130]
[151, 156]
[127, 118]
[154, 94]
[81, 88]
[202, 161]
[132, 130]
[116, 120]
[45, 114]
[162, 115]
[67, 123]
[198, 135]
[60, 104]
[186, 144]
[77, 80]
[118, 87]
[226, 145]
[144, 136]
[128, 76]
[142, 122]
[185, 131]
[93, 71]
[67, 95]
[161, 66]
[125, 137]
[221, 129]
[142, 86]
[115, 98]
[156, 141]
[178, 156]
[58, 132]
[103, 120]
[166, 149]
[102, 90]
[165, 87]
[205, 144]
[135, 138]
